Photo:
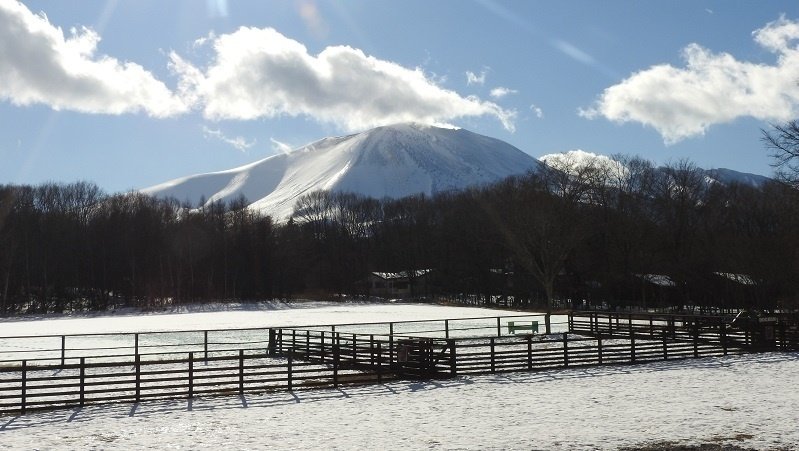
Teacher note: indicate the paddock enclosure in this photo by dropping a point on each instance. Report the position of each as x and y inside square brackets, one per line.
[58, 371]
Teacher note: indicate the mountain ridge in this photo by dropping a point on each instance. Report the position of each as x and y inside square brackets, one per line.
[389, 161]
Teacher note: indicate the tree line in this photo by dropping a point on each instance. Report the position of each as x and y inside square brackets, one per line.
[610, 234]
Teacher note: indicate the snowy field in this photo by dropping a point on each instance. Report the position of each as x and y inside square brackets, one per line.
[193, 320]
[747, 401]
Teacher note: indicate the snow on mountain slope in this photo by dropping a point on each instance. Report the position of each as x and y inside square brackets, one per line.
[729, 176]
[577, 159]
[391, 161]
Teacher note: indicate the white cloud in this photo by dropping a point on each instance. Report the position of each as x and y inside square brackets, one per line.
[238, 142]
[280, 147]
[39, 65]
[539, 113]
[500, 92]
[259, 73]
[711, 89]
[474, 79]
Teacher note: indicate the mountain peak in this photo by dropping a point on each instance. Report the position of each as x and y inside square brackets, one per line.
[390, 161]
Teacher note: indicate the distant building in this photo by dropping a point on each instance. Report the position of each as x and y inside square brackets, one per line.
[402, 285]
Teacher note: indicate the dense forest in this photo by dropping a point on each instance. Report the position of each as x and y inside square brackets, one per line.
[581, 233]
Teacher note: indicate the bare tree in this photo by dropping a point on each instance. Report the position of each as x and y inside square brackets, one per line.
[783, 144]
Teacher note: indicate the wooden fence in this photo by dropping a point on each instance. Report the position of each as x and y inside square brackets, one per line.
[59, 348]
[437, 358]
[298, 358]
[27, 387]
[770, 333]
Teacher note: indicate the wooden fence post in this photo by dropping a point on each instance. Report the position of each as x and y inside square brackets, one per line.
[529, 352]
[446, 328]
[24, 394]
[548, 323]
[391, 349]
[493, 363]
[632, 348]
[136, 343]
[336, 357]
[379, 363]
[280, 341]
[191, 375]
[630, 324]
[205, 345]
[599, 346]
[307, 343]
[241, 371]
[565, 349]
[293, 339]
[696, 341]
[371, 350]
[783, 344]
[270, 345]
[453, 360]
[289, 365]
[723, 337]
[82, 380]
[354, 349]
[63, 349]
[499, 327]
[138, 377]
[322, 345]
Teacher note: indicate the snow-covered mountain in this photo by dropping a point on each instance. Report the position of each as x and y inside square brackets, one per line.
[391, 161]
[575, 160]
[729, 176]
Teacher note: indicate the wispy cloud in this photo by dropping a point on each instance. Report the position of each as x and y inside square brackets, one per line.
[475, 79]
[573, 52]
[712, 88]
[217, 8]
[539, 113]
[40, 65]
[500, 92]
[238, 142]
[280, 147]
[259, 73]
[312, 17]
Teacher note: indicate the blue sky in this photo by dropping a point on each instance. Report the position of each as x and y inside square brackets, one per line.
[129, 94]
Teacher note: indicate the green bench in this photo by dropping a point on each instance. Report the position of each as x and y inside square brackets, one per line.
[532, 326]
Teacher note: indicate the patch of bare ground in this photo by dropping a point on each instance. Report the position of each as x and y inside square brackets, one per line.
[715, 444]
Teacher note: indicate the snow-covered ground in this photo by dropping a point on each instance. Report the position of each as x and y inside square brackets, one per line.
[749, 401]
[267, 314]
[365, 318]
